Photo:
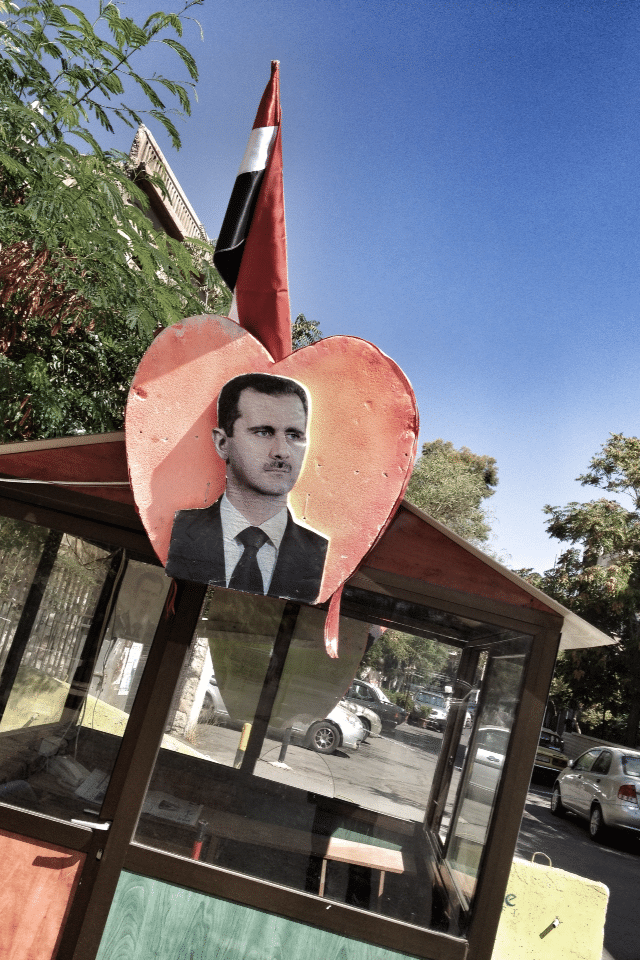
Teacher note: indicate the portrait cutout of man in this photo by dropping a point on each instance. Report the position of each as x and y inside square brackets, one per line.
[248, 540]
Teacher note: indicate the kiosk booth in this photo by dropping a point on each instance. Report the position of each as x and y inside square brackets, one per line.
[130, 830]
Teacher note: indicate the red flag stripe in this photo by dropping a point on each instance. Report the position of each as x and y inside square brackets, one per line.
[268, 114]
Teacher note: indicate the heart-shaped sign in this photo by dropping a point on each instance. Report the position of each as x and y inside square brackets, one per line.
[362, 434]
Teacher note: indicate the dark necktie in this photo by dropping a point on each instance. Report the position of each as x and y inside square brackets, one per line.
[246, 575]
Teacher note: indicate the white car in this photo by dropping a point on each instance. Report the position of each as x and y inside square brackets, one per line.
[213, 708]
[370, 721]
[340, 728]
[602, 786]
[491, 747]
[438, 708]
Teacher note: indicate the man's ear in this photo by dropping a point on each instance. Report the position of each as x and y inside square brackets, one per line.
[220, 441]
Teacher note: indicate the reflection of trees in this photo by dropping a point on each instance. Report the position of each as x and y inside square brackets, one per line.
[401, 656]
[241, 629]
[61, 607]
[503, 675]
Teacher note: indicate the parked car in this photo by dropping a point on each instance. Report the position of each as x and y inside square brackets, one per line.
[368, 718]
[491, 747]
[602, 786]
[372, 697]
[438, 708]
[550, 758]
[340, 728]
[213, 708]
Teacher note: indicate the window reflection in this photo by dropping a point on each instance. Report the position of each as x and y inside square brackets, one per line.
[71, 658]
[503, 669]
[341, 816]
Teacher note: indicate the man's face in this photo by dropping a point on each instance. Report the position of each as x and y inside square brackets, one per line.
[265, 452]
[148, 592]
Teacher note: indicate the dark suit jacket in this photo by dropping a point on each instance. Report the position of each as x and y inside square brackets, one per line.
[196, 553]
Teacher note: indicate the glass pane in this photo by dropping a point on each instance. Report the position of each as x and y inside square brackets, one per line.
[474, 800]
[319, 803]
[70, 663]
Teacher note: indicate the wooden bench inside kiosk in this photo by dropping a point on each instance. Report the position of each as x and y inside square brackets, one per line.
[230, 826]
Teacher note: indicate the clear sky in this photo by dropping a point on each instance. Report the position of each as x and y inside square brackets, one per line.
[461, 183]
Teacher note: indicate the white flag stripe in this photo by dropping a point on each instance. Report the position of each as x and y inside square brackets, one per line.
[257, 152]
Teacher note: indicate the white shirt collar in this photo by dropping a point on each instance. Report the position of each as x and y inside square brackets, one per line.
[233, 522]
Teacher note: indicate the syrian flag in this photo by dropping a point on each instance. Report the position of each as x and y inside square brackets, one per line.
[251, 252]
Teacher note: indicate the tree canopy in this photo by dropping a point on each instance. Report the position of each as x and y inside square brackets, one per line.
[401, 658]
[598, 576]
[452, 486]
[84, 276]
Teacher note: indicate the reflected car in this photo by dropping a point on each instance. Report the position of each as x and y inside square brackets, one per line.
[391, 715]
[213, 709]
[369, 720]
[438, 708]
[602, 786]
[340, 728]
[550, 756]
[491, 748]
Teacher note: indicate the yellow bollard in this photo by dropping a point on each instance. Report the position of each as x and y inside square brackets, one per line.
[242, 746]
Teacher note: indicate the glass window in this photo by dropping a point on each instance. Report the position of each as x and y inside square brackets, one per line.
[76, 623]
[281, 781]
[631, 766]
[586, 761]
[603, 763]
[473, 804]
[550, 740]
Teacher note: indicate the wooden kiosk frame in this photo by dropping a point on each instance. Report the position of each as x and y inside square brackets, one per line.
[78, 486]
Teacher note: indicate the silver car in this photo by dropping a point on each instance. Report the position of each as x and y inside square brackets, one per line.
[340, 728]
[370, 721]
[602, 786]
[490, 750]
[438, 708]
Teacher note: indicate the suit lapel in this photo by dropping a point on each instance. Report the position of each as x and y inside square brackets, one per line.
[291, 560]
[207, 546]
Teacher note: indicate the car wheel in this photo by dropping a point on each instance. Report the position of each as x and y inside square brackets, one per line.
[558, 808]
[323, 737]
[367, 726]
[597, 828]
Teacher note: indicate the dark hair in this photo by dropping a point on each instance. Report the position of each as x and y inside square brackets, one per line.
[229, 399]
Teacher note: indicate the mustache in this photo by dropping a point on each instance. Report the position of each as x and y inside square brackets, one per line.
[277, 466]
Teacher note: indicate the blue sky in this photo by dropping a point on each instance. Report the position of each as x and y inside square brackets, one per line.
[461, 183]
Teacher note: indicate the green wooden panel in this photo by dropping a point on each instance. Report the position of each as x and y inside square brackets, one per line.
[152, 920]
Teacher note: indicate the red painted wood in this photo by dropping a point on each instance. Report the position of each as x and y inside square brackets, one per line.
[411, 547]
[90, 462]
[38, 883]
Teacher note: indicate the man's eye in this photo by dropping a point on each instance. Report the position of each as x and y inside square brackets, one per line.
[295, 435]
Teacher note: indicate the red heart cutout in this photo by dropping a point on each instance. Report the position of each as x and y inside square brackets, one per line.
[363, 432]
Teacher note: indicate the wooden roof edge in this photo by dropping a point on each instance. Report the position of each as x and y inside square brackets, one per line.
[79, 440]
[577, 633]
